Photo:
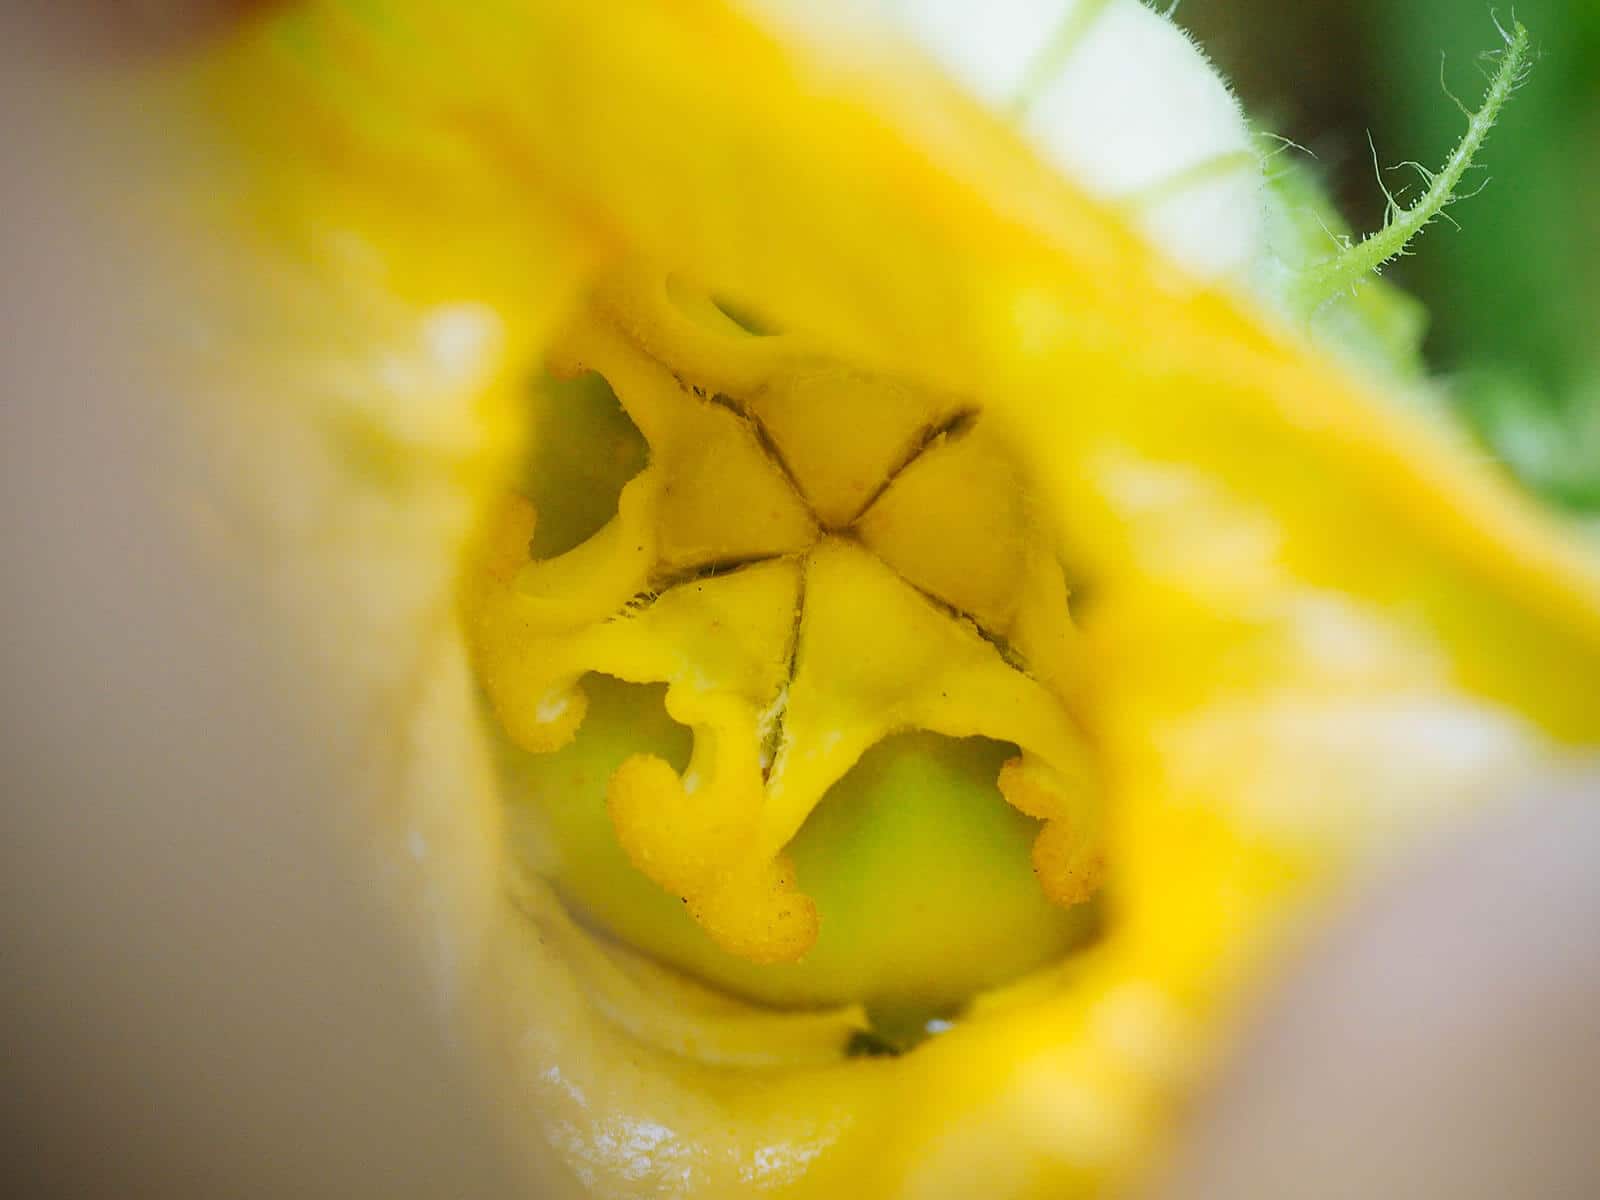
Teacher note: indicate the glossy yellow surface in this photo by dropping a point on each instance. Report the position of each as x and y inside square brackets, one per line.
[1312, 626]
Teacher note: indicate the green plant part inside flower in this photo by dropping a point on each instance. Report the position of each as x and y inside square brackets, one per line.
[861, 780]
[918, 868]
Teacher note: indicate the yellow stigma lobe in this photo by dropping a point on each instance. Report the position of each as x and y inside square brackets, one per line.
[812, 561]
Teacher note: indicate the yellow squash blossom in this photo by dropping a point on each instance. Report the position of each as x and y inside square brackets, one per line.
[1303, 624]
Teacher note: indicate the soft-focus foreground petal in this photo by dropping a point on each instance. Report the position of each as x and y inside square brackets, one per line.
[1315, 624]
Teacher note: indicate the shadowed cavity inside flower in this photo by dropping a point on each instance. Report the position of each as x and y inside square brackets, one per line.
[795, 716]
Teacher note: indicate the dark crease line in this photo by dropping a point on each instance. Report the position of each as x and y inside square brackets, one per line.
[695, 390]
[710, 570]
[764, 439]
[868, 1043]
[767, 443]
[1001, 645]
[954, 427]
[775, 738]
[642, 600]
[637, 603]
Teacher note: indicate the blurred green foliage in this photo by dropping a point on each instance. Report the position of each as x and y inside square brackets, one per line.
[1514, 293]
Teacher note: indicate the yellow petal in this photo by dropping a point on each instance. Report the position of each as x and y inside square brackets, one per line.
[1313, 625]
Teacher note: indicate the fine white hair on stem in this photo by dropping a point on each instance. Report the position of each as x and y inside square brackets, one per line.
[1352, 264]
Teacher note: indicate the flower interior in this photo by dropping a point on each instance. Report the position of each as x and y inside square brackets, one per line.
[797, 717]
[806, 742]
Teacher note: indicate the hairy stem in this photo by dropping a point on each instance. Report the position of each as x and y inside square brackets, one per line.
[1344, 270]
